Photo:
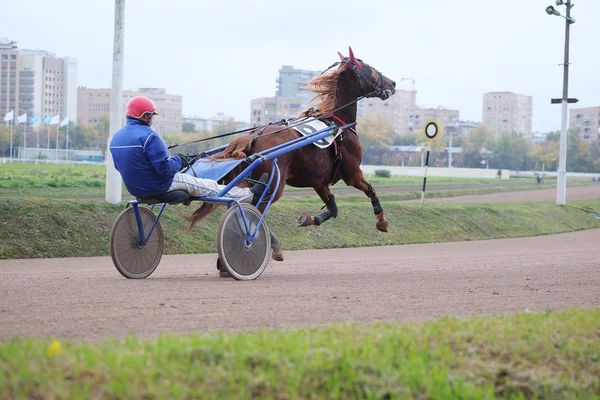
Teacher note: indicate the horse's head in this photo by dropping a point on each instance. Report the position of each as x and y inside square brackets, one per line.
[372, 82]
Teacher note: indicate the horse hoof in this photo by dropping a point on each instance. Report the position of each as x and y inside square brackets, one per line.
[305, 219]
[277, 254]
[382, 225]
[224, 274]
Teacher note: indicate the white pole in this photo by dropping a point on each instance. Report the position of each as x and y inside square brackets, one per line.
[48, 148]
[67, 144]
[25, 139]
[37, 145]
[113, 179]
[56, 147]
[11, 151]
[561, 183]
[450, 150]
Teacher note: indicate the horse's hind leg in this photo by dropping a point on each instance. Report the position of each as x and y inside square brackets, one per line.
[358, 181]
[276, 249]
[332, 210]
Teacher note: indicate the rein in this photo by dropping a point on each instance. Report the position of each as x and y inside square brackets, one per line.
[213, 137]
[377, 90]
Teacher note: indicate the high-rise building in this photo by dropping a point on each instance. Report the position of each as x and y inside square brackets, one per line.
[586, 122]
[292, 84]
[273, 109]
[93, 103]
[449, 119]
[9, 77]
[395, 111]
[507, 112]
[37, 82]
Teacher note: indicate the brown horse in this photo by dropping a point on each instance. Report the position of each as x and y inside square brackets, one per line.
[311, 166]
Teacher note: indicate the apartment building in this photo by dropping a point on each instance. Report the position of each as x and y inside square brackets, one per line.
[93, 103]
[272, 109]
[507, 112]
[585, 122]
[36, 82]
[395, 111]
[449, 119]
[292, 82]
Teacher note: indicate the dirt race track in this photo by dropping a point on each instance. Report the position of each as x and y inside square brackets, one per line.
[87, 298]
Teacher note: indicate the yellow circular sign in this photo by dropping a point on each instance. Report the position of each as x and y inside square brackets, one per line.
[432, 130]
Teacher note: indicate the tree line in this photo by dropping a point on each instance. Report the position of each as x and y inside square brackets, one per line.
[505, 151]
[480, 149]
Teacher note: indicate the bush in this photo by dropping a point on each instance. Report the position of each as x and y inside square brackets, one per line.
[382, 173]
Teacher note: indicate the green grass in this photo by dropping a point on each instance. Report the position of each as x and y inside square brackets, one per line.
[25, 175]
[35, 227]
[550, 355]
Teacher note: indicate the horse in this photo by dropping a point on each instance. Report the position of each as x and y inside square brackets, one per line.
[338, 91]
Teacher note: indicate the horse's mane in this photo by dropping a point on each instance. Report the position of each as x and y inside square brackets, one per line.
[325, 87]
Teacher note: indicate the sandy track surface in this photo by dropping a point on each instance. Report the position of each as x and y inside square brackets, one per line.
[573, 194]
[87, 298]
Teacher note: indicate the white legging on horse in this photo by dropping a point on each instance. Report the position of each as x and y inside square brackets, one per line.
[198, 187]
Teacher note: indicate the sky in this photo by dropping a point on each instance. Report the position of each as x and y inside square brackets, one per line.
[221, 54]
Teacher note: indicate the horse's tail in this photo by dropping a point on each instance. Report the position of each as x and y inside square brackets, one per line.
[201, 212]
[238, 148]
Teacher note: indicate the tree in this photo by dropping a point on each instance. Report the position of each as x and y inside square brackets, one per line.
[4, 140]
[545, 156]
[188, 127]
[406, 140]
[475, 146]
[553, 136]
[376, 135]
[578, 154]
[511, 151]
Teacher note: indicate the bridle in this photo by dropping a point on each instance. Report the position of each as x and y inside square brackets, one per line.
[377, 85]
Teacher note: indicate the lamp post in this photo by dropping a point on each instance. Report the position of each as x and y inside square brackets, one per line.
[561, 185]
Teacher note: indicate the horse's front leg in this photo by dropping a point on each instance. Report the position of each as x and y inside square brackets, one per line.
[363, 185]
[324, 193]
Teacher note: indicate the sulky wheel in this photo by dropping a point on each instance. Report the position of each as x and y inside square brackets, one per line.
[132, 260]
[244, 261]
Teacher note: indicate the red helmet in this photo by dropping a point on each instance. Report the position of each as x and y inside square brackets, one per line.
[139, 106]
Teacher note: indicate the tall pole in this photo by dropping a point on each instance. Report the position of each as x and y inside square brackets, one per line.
[48, 148]
[561, 188]
[11, 151]
[450, 150]
[56, 150]
[113, 179]
[67, 143]
[25, 139]
[37, 145]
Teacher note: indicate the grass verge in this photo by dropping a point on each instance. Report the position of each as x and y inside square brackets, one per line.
[33, 228]
[551, 355]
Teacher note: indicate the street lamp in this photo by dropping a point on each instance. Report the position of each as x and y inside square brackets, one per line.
[561, 185]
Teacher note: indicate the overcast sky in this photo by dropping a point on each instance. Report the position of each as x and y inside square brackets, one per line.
[220, 54]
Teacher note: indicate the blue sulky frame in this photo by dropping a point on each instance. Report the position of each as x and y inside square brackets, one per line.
[255, 160]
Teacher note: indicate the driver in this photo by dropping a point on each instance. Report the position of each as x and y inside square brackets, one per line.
[142, 158]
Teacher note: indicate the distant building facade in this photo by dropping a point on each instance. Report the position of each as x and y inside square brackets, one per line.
[447, 118]
[586, 123]
[93, 103]
[292, 82]
[395, 111]
[37, 82]
[273, 109]
[202, 124]
[506, 112]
